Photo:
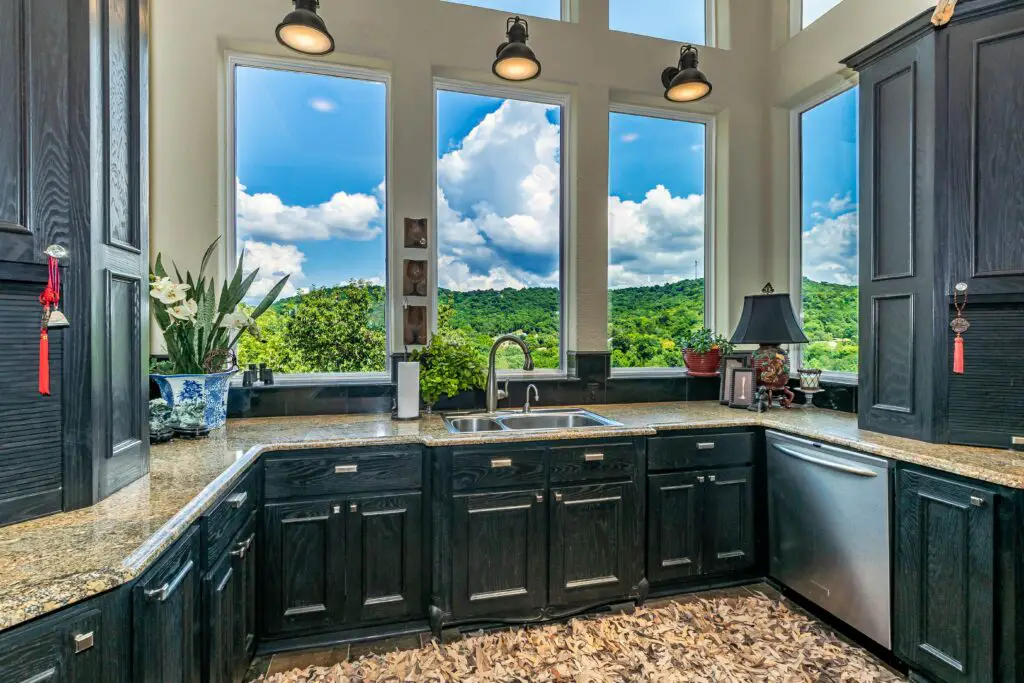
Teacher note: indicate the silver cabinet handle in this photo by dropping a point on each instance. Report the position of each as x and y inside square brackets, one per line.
[353, 507]
[243, 547]
[84, 641]
[593, 457]
[558, 497]
[826, 463]
[977, 501]
[497, 463]
[165, 591]
[540, 497]
[700, 480]
[711, 478]
[705, 445]
[237, 500]
[346, 469]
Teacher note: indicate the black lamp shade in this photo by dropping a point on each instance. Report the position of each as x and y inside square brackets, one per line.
[303, 30]
[768, 319]
[685, 83]
[515, 60]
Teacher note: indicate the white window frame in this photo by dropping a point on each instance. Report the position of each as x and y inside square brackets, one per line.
[796, 16]
[710, 26]
[237, 59]
[563, 101]
[567, 10]
[796, 261]
[709, 123]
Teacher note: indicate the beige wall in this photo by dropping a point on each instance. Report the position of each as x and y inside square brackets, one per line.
[418, 40]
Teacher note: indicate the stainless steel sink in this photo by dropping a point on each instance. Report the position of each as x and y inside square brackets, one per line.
[537, 421]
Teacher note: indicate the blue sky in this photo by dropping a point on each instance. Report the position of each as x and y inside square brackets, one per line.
[829, 192]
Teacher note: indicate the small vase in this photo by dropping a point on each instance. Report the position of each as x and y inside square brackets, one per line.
[703, 364]
[211, 388]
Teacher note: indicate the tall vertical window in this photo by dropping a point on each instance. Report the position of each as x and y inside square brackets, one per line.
[812, 10]
[657, 237]
[682, 21]
[499, 223]
[310, 158]
[546, 9]
[829, 233]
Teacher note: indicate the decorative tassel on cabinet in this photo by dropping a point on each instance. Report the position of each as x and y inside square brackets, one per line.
[52, 317]
[959, 325]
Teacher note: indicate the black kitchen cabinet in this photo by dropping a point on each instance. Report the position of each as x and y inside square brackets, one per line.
[592, 543]
[303, 568]
[229, 602]
[499, 553]
[167, 617]
[385, 558]
[944, 612]
[700, 524]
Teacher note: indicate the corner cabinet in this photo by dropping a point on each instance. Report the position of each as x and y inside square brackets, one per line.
[526, 532]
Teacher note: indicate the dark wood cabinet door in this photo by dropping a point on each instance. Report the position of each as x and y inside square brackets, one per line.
[986, 154]
[674, 523]
[167, 617]
[303, 572]
[385, 558]
[592, 543]
[943, 609]
[728, 521]
[499, 553]
[220, 603]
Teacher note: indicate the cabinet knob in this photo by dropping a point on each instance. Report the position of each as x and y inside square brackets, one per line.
[977, 501]
[711, 478]
[558, 497]
[353, 508]
[243, 547]
[336, 509]
[540, 497]
[700, 480]
[84, 641]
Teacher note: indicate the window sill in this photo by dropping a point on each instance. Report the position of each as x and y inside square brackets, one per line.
[842, 379]
[649, 373]
[319, 380]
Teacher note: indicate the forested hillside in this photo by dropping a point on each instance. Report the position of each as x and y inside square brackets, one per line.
[341, 329]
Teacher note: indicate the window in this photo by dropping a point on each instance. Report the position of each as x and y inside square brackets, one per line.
[545, 9]
[657, 225]
[499, 222]
[812, 10]
[683, 21]
[310, 157]
[829, 232]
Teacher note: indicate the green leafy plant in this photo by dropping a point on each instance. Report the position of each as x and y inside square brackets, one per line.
[704, 340]
[199, 329]
[450, 363]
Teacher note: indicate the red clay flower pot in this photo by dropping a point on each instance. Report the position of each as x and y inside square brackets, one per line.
[703, 364]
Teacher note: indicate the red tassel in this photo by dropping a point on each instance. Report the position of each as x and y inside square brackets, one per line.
[44, 364]
[958, 355]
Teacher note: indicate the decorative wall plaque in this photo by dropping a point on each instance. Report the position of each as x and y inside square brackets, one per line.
[414, 278]
[416, 233]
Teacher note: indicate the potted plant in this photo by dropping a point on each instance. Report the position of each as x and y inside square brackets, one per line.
[200, 331]
[449, 365]
[703, 350]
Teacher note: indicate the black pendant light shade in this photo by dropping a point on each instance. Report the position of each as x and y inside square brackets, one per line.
[304, 31]
[768, 318]
[685, 83]
[515, 60]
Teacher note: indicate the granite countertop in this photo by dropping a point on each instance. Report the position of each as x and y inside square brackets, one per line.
[49, 563]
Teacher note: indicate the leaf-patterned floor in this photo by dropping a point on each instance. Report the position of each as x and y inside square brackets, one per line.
[742, 636]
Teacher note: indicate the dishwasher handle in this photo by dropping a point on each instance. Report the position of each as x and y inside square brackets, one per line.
[860, 472]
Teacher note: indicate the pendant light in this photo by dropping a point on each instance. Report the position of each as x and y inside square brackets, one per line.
[516, 61]
[685, 83]
[304, 31]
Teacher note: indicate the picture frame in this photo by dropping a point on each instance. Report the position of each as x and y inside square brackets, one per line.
[743, 388]
[730, 362]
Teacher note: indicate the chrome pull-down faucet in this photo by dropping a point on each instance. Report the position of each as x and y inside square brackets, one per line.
[536, 397]
[494, 394]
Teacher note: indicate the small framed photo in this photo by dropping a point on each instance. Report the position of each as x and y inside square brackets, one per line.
[743, 388]
[730, 363]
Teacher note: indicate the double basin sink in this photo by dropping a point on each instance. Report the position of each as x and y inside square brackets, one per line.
[538, 420]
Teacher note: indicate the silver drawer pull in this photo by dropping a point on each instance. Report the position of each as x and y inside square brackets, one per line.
[346, 469]
[243, 546]
[165, 591]
[84, 641]
[497, 463]
[593, 457]
[237, 500]
[711, 478]
[558, 497]
[705, 445]
[540, 497]
[700, 480]
[977, 501]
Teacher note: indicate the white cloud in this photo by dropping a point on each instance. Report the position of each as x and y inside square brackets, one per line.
[323, 105]
[656, 241]
[830, 250]
[274, 262]
[698, 147]
[630, 137]
[836, 205]
[346, 216]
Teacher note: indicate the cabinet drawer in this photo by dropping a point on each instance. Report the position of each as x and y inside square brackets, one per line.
[712, 450]
[592, 463]
[351, 471]
[498, 469]
[223, 520]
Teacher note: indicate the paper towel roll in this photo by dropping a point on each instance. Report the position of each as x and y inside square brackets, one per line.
[408, 390]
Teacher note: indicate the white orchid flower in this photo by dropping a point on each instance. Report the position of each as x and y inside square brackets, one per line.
[173, 295]
[185, 311]
[236, 321]
[160, 284]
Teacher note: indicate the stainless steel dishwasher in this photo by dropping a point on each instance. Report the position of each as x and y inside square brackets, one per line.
[828, 516]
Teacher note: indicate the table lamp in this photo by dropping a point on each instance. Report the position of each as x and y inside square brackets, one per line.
[768, 320]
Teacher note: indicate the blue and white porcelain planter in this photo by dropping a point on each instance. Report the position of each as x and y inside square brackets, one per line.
[212, 388]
